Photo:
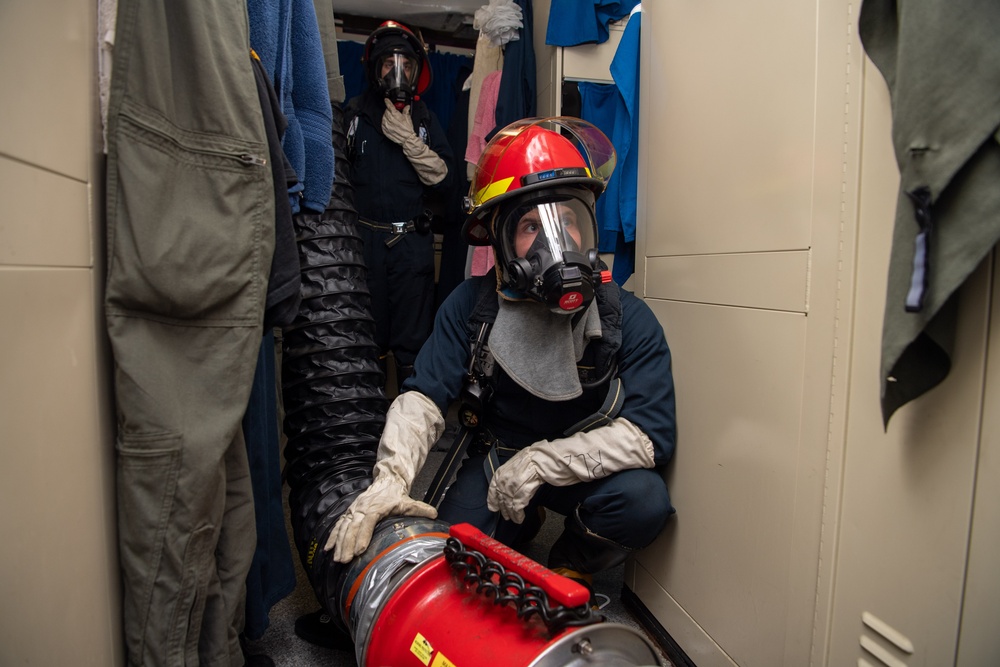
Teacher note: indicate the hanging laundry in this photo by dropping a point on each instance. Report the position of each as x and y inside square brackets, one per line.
[489, 58]
[623, 195]
[518, 93]
[574, 22]
[614, 108]
[481, 257]
[285, 34]
[600, 103]
[107, 14]
[485, 118]
[940, 59]
[327, 23]
[499, 21]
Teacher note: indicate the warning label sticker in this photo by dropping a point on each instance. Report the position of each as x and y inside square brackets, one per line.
[441, 661]
[422, 649]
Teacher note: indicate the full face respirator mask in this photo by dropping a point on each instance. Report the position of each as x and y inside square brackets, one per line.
[397, 78]
[396, 65]
[547, 244]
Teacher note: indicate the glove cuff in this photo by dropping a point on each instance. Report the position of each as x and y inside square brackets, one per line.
[429, 166]
[590, 455]
[413, 147]
[412, 426]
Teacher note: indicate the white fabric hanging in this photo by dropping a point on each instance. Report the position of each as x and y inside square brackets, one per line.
[499, 21]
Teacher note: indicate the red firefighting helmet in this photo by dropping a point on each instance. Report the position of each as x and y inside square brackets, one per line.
[532, 154]
[390, 37]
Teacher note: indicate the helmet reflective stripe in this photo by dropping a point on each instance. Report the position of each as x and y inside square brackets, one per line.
[492, 190]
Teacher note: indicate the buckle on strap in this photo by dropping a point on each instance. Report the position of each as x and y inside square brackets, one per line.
[401, 227]
[396, 230]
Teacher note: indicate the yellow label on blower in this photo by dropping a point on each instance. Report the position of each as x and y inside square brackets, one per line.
[422, 649]
[441, 661]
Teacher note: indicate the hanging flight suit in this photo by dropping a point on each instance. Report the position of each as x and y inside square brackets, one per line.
[940, 59]
[190, 226]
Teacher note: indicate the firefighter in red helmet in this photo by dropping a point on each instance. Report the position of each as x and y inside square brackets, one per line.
[396, 63]
[535, 187]
[565, 392]
[398, 155]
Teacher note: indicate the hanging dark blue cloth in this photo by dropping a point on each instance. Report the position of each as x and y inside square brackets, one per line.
[272, 573]
[271, 576]
[454, 248]
[442, 94]
[517, 96]
[285, 279]
[350, 67]
[285, 34]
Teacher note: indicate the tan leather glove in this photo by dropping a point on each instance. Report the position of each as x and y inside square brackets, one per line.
[397, 126]
[581, 457]
[412, 426]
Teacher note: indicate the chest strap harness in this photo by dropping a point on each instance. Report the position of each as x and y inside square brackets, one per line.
[475, 397]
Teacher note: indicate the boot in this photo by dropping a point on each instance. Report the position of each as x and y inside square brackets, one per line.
[253, 659]
[319, 628]
[584, 552]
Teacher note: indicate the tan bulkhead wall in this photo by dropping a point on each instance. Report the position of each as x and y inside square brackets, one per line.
[58, 556]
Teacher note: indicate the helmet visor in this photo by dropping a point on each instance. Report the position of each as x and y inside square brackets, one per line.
[545, 232]
[398, 71]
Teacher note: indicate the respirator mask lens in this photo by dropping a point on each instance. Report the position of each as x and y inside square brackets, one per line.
[398, 75]
[550, 251]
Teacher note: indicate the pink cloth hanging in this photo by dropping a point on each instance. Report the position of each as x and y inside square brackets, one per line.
[482, 260]
[482, 124]
[485, 118]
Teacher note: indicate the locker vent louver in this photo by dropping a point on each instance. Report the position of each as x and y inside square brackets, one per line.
[883, 642]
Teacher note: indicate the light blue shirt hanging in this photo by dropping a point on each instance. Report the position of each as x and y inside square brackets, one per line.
[599, 104]
[614, 108]
[624, 184]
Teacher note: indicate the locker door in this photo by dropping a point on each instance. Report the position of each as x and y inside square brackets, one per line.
[750, 112]
[903, 537]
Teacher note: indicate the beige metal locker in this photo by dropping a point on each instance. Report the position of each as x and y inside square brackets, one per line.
[806, 534]
[907, 494]
[59, 554]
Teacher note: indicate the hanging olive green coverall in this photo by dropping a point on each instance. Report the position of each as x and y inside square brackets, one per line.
[190, 225]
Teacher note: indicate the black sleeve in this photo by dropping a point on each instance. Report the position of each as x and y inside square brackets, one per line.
[644, 366]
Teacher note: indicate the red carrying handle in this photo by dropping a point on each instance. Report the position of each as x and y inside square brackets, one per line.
[560, 589]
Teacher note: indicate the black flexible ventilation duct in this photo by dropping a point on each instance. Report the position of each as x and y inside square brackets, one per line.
[332, 383]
